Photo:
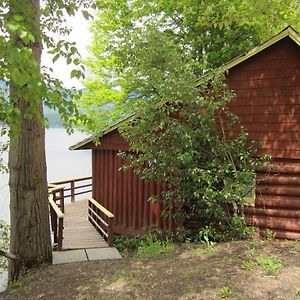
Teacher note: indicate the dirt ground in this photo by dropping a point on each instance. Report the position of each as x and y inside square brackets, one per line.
[237, 270]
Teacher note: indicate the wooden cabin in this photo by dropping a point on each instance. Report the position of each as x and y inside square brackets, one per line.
[122, 193]
[266, 82]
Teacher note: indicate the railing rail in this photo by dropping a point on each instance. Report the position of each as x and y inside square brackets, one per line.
[57, 192]
[57, 222]
[75, 186]
[102, 219]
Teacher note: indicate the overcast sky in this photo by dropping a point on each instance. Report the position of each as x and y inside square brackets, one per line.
[81, 35]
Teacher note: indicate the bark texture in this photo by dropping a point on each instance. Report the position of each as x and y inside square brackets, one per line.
[29, 216]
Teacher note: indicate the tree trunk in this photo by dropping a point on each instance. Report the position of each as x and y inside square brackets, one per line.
[29, 215]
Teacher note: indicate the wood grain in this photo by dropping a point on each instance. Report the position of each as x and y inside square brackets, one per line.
[79, 233]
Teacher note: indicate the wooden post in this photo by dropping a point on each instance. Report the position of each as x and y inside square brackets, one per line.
[52, 217]
[110, 232]
[55, 229]
[72, 191]
[54, 196]
[60, 234]
[89, 212]
[62, 200]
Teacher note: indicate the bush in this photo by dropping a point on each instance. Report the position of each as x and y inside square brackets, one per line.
[127, 246]
[183, 140]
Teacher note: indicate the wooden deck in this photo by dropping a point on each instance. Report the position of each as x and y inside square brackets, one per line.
[78, 232]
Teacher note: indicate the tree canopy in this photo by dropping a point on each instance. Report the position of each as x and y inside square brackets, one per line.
[19, 67]
[206, 33]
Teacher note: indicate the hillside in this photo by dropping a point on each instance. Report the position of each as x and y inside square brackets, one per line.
[53, 117]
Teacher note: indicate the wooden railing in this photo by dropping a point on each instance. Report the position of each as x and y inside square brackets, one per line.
[57, 222]
[58, 194]
[98, 215]
[75, 187]
[102, 219]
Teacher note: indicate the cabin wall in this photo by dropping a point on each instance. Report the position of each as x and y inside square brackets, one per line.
[267, 88]
[125, 194]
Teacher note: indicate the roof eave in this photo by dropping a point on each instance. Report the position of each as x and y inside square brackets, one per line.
[288, 32]
[92, 138]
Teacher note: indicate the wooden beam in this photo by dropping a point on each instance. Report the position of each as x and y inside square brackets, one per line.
[101, 208]
[55, 207]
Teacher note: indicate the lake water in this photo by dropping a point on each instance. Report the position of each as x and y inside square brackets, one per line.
[61, 164]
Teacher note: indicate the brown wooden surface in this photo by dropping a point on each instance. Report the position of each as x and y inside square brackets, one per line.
[267, 88]
[277, 202]
[79, 233]
[125, 194]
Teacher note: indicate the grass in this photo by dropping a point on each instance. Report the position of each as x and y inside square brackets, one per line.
[248, 265]
[270, 264]
[150, 248]
[224, 292]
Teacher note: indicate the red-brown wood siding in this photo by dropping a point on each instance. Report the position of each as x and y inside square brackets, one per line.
[277, 203]
[267, 88]
[125, 194]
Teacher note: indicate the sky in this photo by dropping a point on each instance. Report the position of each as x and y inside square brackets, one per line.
[81, 35]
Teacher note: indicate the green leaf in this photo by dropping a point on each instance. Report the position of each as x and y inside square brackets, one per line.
[55, 58]
[86, 14]
[12, 27]
[19, 78]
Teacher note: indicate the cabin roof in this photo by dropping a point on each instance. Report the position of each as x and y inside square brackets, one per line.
[287, 32]
[95, 136]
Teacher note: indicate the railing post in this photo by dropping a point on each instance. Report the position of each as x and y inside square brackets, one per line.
[110, 232]
[88, 212]
[52, 217]
[54, 196]
[72, 191]
[60, 233]
[62, 200]
[55, 229]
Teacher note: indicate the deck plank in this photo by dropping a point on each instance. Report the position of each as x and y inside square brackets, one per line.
[79, 233]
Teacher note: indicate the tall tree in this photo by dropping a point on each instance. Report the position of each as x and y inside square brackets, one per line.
[25, 29]
[209, 33]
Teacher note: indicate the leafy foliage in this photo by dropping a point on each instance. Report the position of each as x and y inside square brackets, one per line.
[179, 134]
[151, 248]
[19, 68]
[183, 142]
[4, 244]
[126, 245]
[3, 149]
[207, 33]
